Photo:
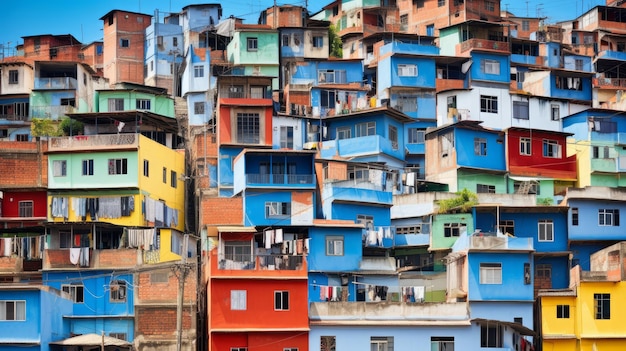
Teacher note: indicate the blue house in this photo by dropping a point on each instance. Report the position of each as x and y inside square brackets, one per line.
[32, 317]
[546, 226]
[103, 301]
[594, 221]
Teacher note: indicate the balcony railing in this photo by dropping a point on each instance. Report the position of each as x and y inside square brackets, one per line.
[89, 142]
[56, 83]
[484, 44]
[51, 112]
[280, 179]
[14, 117]
[261, 262]
[609, 83]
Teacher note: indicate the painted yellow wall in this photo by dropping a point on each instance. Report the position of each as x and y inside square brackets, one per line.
[591, 327]
[552, 326]
[583, 156]
[165, 250]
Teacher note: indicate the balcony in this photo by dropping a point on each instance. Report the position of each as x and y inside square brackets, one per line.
[609, 83]
[527, 59]
[386, 311]
[449, 84]
[94, 142]
[280, 179]
[112, 258]
[258, 265]
[484, 45]
[56, 83]
[358, 191]
[361, 146]
[51, 112]
[612, 55]
[14, 117]
[604, 165]
[383, 236]
[492, 242]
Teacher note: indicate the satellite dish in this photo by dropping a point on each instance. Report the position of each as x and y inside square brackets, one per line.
[466, 66]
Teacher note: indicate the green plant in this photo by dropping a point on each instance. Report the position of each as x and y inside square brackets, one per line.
[71, 127]
[43, 127]
[336, 46]
[464, 201]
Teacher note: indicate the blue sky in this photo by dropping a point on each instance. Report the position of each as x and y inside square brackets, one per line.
[80, 18]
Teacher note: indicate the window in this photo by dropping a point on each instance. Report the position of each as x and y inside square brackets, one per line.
[441, 3]
[318, 42]
[488, 104]
[365, 129]
[12, 310]
[124, 43]
[143, 104]
[121, 336]
[25, 209]
[173, 179]
[543, 271]
[238, 300]
[490, 273]
[490, 335]
[253, 44]
[555, 112]
[76, 292]
[608, 217]
[453, 229]
[290, 349]
[174, 41]
[507, 226]
[490, 66]
[406, 103]
[146, 168]
[451, 101]
[116, 105]
[490, 6]
[257, 92]
[546, 230]
[285, 39]
[237, 251]
[198, 108]
[562, 311]
[480, 146]
[602, 306]
[441, 343]
[87, 167]
[281, 300]
[332, 76]
[524, 146]
[574, 215]
[405, 70]
[198, 71]
[416, 136]
[393, 137]
[334, 246]
[526, 187]
[378, 343]
[485, 188]
[525, 25]
[286, 137]
[21, 137]
[118, 166]
[327, 99]
[68, 102]
[417, 229]
[600, 152]
[238, 349]
[328, 343]
[59, 168]
[248, 128]
[551, 149]
[277, 209]
[404, 21]
[569, 83]
[344, 133]
[118, 291]
[520, 109]
[579, 65]
[13, 76]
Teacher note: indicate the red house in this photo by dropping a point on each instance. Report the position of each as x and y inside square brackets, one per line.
[538, 154]
[256, 302]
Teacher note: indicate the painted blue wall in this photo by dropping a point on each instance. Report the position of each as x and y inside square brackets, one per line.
[227, 155]
[582, 251]
[465, 155]
[477, 69]
[318, 261]
[349, 211]
[503, 311]
[560, 267]
[554, 54]
[588, 227]
[512, 287]
[426, 104]
[254, 208]
[97, 303]
[288, 51]
[583, 94]
[388, 72]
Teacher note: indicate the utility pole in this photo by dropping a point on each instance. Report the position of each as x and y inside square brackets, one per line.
[181, 271]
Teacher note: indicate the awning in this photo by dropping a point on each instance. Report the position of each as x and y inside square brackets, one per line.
[92, 340]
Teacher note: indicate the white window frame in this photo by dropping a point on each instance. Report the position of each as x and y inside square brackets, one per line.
[25, 208]
[281, 300]
[142, 104]
[238, 300]
[277, 209]
[88, 167]
[608, 217]
[525, 147]
[334, 245]
[407, 70]
[551, 149]
[451, 230]
[365, 129]
[198, 71]
[118, 291]
[19, 310]
[480, 146]
[252, 44]
[118, 166]
[286, 141]
[491, 273]
[59, 168]
[555, 112]
[490, 66]
[72, 290]
[545, 230]
[344, 132]
[490, 104]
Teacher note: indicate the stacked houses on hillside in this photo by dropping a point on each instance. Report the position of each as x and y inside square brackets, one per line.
[451, 179]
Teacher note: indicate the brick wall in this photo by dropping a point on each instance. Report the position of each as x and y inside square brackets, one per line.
[116, 258]
[161, 321]
[221, 211]
[10, 264]
[151, 291]
[30, 162]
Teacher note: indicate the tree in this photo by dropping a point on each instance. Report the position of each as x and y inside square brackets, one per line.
[71, 127]
[464, 201]
[336, 46]
[43, 127]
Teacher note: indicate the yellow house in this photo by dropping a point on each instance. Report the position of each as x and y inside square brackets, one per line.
[591, 314]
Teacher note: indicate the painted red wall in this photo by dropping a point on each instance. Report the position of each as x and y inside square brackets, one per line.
[264, 341]
[10, 208]
[260, 311]
[536, 164]
[227, 135]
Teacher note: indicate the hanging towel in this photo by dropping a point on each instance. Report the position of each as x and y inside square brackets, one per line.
[75, 255]
[419, 293]
[278, 236]
[84, 257]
